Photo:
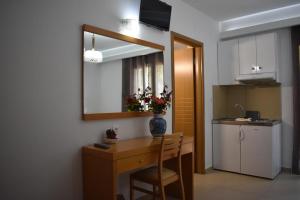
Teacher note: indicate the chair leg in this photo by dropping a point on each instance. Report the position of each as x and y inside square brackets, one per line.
[162, 192]
[154, 192]
[182, 188]
[131, 189]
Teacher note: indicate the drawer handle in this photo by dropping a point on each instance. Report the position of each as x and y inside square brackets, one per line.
[142, 160]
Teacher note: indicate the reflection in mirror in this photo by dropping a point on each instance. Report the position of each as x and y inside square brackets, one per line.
[114, 69]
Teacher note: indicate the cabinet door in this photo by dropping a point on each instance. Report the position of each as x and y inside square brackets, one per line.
[247, 55]
[256, 150]
[228, 62]
[226, 147]
[266, 52]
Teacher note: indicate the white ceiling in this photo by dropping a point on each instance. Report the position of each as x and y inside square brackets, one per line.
[221, 10]
[114, 49]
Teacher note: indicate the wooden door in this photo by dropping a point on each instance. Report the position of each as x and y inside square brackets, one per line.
[184, 91]
[188, 97]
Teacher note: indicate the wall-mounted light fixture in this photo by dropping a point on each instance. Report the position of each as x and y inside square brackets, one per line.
[92, 55]
[130, 27]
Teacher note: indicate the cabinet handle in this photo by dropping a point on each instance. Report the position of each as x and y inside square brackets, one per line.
[242, 135]
[258, 68]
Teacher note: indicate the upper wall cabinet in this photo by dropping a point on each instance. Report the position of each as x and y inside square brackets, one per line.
[228, 61]
[248, 58]
[258, 57]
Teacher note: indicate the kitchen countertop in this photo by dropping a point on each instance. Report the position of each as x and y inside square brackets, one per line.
[253, 123]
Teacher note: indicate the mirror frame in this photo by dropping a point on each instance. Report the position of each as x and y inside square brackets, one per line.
[118, 36]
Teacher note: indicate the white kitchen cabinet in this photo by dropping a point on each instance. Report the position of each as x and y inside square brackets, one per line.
[269, 51]
[258, 57]
[247, 149]
[247, 55]
[261, 150]
[226, 147]
[266, 47]
[228, 61]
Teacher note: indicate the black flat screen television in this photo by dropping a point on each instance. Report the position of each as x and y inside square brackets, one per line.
[155, 13]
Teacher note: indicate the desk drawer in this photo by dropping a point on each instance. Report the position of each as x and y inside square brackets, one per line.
[135, 162]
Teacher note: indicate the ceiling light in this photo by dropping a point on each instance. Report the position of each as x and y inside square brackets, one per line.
[92, 55]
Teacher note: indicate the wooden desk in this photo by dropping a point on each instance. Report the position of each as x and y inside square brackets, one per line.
[102, 167]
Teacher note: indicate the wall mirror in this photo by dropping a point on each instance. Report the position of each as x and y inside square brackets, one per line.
[115, 66]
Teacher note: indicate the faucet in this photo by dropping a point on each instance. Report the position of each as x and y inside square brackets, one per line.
[242, 109]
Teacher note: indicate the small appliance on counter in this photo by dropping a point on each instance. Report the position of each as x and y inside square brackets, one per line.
[254, 115]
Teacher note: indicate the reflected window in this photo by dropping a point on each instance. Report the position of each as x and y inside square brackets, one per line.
[141, 72]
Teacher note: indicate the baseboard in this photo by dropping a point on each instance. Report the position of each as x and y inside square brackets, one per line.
[209, 168]
[286, 170]
[283, 170]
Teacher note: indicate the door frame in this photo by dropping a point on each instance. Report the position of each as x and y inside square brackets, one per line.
[199, 137]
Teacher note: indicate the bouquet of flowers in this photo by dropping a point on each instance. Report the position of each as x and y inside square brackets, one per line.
[145, 101]
[136, 102]
[159, 105]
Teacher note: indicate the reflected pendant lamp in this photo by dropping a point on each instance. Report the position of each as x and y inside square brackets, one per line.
[92, 55]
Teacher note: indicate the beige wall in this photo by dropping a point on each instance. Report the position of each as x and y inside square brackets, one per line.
[266, 99]
[219, 102]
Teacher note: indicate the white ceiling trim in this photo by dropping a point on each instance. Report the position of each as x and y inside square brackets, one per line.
[269, 16]
[260, 28]
[126, 51]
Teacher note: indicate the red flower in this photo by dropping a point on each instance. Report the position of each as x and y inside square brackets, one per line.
[147, 100]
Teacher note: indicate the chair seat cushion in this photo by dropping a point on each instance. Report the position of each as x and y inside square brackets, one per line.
[150, 175]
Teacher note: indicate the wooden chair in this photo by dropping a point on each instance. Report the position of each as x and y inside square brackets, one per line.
[159, 176]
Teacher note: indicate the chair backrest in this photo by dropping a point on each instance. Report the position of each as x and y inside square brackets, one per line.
[170, 148]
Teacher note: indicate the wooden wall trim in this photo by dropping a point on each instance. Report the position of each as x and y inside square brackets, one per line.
[295, 34]
[102, 116]
[120, 36]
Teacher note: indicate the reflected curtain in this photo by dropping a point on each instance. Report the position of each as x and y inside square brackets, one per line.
[140, 72]
[296, 72]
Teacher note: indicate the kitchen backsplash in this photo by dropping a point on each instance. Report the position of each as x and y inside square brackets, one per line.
[266, 99]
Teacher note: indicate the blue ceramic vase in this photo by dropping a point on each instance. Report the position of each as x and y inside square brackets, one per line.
[158, 125]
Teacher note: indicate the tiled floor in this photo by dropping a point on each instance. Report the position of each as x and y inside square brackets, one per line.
[218, 185]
